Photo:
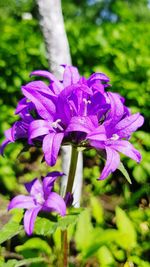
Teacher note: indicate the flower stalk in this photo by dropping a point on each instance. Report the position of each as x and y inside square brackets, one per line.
[72, 169]
[64, 247]
[71, 176]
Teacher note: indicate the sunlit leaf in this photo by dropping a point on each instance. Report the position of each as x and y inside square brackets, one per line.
[44, 226]
[35, 243]
[25, 262]
[83, 234]
[97, 209]
[124, 172]
[126, 228]
[64, 222]
[9, 230]
[105, 257]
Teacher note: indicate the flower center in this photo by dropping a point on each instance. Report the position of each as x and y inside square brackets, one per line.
[86, 102]
[56, 124]
[39, 198]
[114, 137]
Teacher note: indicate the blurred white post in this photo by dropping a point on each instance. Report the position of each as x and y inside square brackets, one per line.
[52, 25]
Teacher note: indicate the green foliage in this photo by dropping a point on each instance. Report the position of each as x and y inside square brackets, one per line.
[36, 244]
[15, 263]
[105, 257]
[124, 172]
[11, 228]
[47, 227]
[127, 231]
[111, 245]
[44, 227]
[83, 234]
[104, 36]
[97, 210]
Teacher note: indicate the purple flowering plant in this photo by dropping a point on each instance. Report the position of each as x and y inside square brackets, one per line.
[77, 111]
[41, 198]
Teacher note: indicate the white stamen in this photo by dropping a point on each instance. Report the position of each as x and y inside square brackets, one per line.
[86, 101]
[114, 137]
[39, 198]
[85, 106]
[56, 125]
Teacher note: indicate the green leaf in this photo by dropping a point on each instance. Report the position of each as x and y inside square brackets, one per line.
[124, 172]
[84, 230]
[25, 262]
[140, 174]
[64, 222]
[10, 263]
[105, 257]
[9, 230]
[139, 262]
[127, 231]
[100, 237]
[35, 243]
[97, 209]
[44, 226]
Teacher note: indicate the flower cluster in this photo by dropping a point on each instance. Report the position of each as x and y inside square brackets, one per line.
[41, 198]
[76, 111]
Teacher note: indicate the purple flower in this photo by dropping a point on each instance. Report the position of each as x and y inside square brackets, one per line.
[119, 126]
[41, 198]
[76, 111]
[19, 130]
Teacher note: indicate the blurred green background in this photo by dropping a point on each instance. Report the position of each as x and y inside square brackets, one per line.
[110, 36]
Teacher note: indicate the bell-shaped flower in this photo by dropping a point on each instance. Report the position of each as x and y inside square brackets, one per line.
[119, 126]
[77, 111]
[40, 198]
[19, 130]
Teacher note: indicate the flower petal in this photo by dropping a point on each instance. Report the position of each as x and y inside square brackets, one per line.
[98, 87]
[29, 219]
[38, 128]
[126, 148]
[67, 92]
[48, 182]
[98, 134]
[98, 105]
[44, 105]
[40, 87]
[71, 75]
[22, 104]
[81, 124]
[128, 125]
[48, 75]
[34, 187]
[9, 139]
[20, 130]
[21, 201]
[51, 146]
[55, 203]
[112, 162]
[3, 145]
[98, 76]
[63, 110]
[9, 135]
[116, 110]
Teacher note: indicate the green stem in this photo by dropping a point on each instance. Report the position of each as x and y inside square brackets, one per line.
[64, 247]
[72, 171]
